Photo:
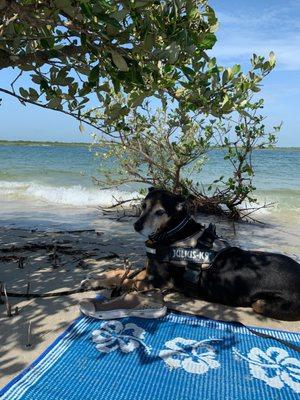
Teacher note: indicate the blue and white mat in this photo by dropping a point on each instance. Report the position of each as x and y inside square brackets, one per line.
[175, 357]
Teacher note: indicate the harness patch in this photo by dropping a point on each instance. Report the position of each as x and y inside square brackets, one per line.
[193, 255]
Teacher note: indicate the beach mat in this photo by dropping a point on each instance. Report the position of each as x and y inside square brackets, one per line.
[175, 357]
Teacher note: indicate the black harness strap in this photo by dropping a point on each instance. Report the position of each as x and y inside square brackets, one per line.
[267, 336]
[286, 343]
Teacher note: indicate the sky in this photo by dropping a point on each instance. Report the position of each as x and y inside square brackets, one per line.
[246, 27]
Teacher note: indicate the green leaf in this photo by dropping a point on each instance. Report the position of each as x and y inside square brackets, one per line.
[44, 85]
[62, 3]
[208, 41]
[116, 85]
[33, 94]
[105, 87]
[36, 79]
[23, 92]
[255, 89]
[193, 12]
[236, 69]
[272, 59]
[188, 71]
[136, 100]
[45, 43]
[86, 9]
[225, 77]
[94, 74]
[54, 103]
[120, 14]
[111, 21]
[172, 52]
[148, 42]
[81, 127]
[119, 61]
[140, 3]
[27, 67]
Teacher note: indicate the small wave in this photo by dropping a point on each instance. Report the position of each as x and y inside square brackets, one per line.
[74, 195]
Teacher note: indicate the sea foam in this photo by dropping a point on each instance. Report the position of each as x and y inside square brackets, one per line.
[72, 195]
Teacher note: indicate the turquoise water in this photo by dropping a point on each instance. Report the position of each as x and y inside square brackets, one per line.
[62, 175]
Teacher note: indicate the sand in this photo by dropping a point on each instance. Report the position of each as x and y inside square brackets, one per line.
[59, 261]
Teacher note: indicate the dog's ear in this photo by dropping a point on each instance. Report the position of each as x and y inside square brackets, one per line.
[180, 206]
[150, 189]
[181, 203]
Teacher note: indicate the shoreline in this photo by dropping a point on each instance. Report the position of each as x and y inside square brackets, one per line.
[278, 232]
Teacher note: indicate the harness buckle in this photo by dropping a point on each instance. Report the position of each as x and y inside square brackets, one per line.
[150, 250]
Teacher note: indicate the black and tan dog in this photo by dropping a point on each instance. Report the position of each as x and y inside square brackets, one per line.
[180, 254]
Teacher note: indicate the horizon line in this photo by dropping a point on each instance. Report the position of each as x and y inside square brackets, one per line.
[57, 142]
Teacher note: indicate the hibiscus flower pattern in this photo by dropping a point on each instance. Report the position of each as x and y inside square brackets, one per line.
[114, 335]
[274, 366]
[193, 356]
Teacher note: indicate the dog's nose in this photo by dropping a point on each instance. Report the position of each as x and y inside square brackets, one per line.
[138, 226]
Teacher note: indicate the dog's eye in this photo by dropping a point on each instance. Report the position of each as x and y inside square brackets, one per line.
[160, 212]
[143, 206]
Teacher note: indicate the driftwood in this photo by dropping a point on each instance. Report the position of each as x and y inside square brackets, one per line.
[78, 231]
[34, 247]
[9, 258]
[52, 294]
[53, 248]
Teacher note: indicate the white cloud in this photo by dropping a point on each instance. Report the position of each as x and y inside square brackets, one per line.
[241, 49]
[260, 31]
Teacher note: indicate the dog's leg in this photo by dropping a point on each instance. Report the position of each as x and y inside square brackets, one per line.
[107, 279]
[140, 282]
[277, 308]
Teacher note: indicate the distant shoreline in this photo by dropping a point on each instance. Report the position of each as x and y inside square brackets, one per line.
[86, 144]
[41, 143]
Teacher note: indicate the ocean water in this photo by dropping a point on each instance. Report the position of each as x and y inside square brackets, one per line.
[49, 187]
[61, 176]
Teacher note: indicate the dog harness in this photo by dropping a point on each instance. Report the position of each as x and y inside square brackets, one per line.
[195, 253]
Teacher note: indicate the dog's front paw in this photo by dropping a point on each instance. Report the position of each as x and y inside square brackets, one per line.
[88, 283]
[107, 280]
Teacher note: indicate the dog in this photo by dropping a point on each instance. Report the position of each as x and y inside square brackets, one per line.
[180, 255]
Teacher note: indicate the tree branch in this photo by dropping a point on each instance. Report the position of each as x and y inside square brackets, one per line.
[40, 57]
[80, 119]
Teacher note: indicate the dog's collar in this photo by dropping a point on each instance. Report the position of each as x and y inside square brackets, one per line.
[187, 224]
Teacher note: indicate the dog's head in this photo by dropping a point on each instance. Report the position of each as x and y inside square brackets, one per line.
[159, 208]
